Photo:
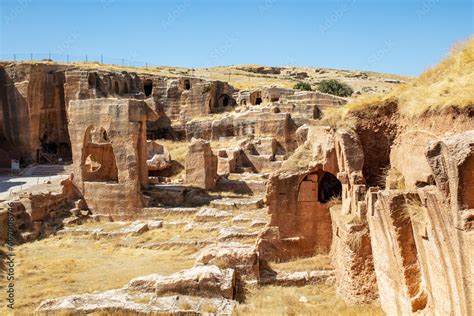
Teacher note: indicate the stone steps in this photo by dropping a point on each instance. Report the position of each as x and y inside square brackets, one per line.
[242, 204]
[158, 212]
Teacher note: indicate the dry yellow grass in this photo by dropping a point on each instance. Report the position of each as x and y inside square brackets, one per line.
[317, 262]
[177, 149]
[299, 159]
[61, 266]
[322, 300]
[394, 180]
[448, 84]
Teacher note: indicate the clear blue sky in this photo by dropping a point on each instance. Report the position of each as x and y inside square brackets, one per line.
[404, 36]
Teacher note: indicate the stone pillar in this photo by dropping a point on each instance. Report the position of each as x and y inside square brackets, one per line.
[201, 165]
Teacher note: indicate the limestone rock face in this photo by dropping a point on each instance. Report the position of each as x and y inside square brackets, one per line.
[452, 162]
[201, 165]
[159, 157]
[32, 112]
[204, 281]
[350, 160]
[353, 260]
[414, 167]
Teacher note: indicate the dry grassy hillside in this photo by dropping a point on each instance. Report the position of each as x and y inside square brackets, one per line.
[248, 77]
[450, 84]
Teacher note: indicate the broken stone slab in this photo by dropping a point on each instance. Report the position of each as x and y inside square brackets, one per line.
[238, 204]
[101, 218]
[82, 231]
[154, 224]
[207, 227]
[243, 258]
[209, 214]
[176, 223]
[72, 221]
[241, 218]
[256, 223]
[235, 233]
[135, 228]
[178, 243]
[205, 281]
[153, 212]
[122, 301]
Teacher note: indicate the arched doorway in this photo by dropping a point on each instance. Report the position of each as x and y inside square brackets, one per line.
[313, 219]
[148, 87]
[329, 187]
[225, 100]
[187, 84]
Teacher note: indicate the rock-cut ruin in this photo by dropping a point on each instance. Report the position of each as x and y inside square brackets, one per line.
[388, 198]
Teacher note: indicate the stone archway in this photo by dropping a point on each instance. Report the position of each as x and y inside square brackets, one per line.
[148, 87]
[313, 217]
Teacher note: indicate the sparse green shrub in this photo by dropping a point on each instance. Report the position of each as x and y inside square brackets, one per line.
[303, 86]
[335, 87]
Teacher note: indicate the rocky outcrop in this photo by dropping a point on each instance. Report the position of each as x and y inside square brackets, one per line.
[256, 124]
[420, 238]
[243, 258]
[199, 290]
[122, 301]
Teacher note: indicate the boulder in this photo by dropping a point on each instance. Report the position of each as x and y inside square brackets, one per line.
[243, 258]
[204, 281]
[159, 157]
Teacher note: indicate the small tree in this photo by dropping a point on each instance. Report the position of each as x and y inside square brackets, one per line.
[302, 86]
[335, 87]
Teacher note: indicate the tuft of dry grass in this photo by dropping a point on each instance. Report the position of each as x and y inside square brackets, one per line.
[317, 262]
[394, 180]
[177, 149]
[322, 300]
[335, 117]
[414, 211]
[300, 159]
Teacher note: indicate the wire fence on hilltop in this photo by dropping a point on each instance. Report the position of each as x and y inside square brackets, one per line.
[67, 58]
